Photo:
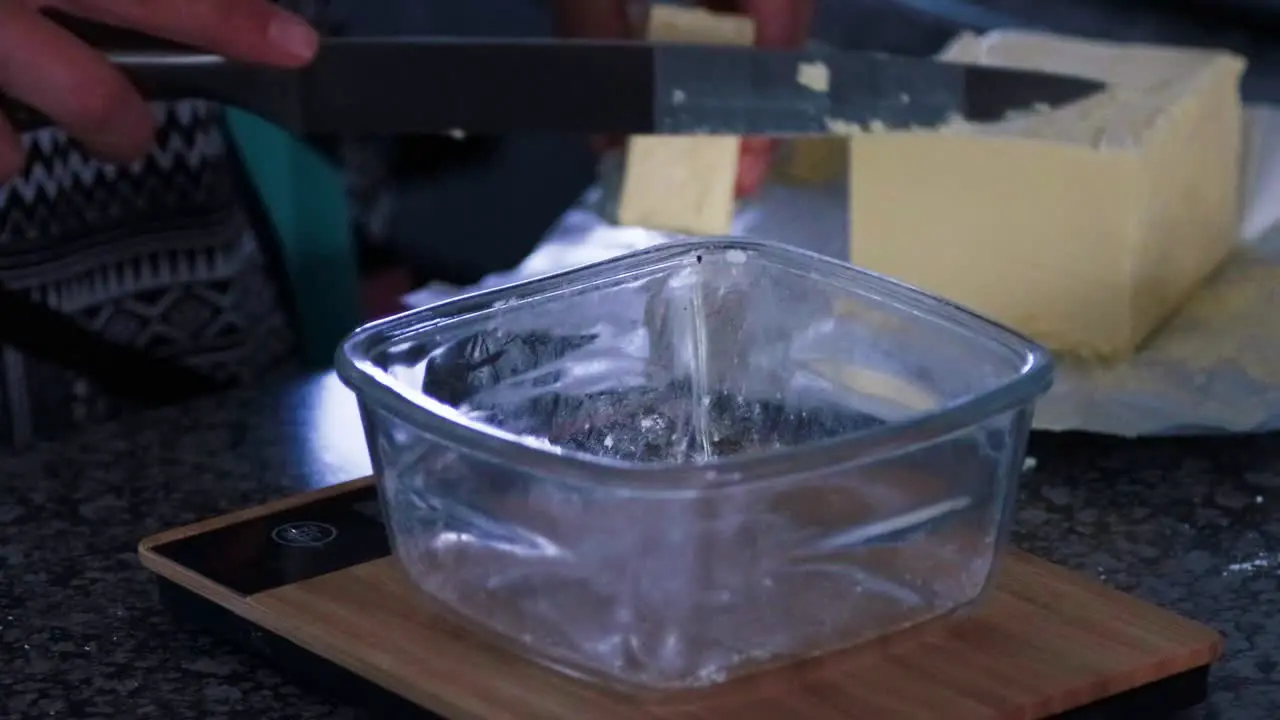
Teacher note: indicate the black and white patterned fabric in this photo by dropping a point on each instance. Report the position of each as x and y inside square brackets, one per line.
[170, 257]
[159, 256]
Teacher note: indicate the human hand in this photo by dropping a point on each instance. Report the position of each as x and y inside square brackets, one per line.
[49, 69]
[780, 24]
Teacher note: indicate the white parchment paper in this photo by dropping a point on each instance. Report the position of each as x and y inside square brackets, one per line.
[1214, 368]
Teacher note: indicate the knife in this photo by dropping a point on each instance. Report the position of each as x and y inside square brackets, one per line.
[397, 86]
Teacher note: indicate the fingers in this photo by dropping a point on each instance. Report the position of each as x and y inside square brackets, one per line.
[597, 19]
[594, 19]
[11, 156]
[49, 69]
[780, 24]
[248, 30]
[754, 164]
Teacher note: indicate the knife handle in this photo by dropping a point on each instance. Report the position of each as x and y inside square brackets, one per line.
[174, 75]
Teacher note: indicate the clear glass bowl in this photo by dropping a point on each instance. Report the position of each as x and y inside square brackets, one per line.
[697, 460]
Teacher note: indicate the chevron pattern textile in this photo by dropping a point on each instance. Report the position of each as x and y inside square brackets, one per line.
[159, 256]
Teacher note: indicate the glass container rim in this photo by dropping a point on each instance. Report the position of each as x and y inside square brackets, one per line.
[377, 388]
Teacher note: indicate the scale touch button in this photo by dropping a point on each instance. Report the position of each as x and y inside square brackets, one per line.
[305, 533]
[297, 543]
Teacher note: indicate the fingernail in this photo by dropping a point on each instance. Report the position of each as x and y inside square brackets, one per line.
[293, 35]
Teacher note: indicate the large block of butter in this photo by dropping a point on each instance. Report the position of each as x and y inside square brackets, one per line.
[1083, 227]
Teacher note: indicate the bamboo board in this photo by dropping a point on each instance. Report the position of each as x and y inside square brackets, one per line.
[309, 582]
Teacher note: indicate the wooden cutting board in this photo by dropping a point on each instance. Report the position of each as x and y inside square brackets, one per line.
[309, 581]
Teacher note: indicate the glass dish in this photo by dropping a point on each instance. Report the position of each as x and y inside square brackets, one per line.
[686, 463]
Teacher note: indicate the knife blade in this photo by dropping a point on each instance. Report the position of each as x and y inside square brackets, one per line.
[396, 86]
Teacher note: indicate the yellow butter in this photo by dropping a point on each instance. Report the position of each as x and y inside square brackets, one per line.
[1084, 227]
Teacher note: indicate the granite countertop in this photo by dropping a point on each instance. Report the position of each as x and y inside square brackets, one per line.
[1191, 524]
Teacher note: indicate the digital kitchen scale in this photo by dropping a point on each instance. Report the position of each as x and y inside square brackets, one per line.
[309, 583]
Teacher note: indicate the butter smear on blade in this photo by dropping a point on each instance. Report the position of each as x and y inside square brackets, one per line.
[814, 75]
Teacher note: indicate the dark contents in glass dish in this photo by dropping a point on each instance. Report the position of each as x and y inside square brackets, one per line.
[665, 425]
[646, 423]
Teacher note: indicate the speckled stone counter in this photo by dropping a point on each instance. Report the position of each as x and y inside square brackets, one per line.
[1190, 524]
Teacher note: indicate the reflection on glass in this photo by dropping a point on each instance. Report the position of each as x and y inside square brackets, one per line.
[333, 441]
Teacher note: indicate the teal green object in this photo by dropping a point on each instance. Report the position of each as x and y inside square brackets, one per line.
[305, 196]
